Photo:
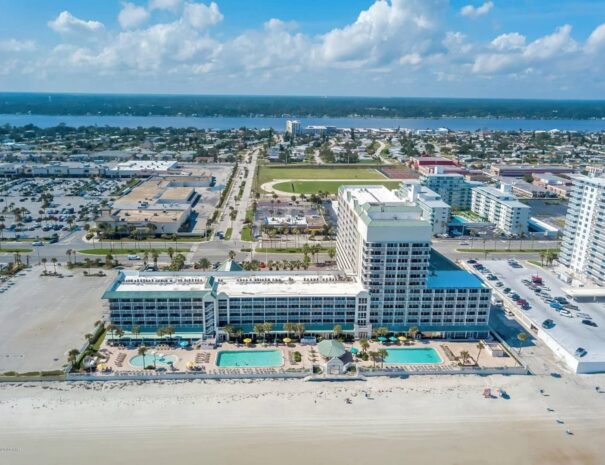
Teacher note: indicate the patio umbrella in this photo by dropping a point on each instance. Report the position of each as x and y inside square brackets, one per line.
[247, 340]
[354, 350]
[287, 340]
[393, 339]
[381, 338]
[101, 367]
[402, 338]
[183, 343]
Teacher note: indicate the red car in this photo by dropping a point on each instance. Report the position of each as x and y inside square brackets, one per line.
[521, 302]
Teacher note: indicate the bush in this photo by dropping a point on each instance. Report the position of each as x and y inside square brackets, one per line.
[297, 357]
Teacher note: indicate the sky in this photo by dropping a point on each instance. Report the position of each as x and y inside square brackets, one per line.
[406, 48]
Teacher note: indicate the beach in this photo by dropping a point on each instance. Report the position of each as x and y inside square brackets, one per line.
[424, 419]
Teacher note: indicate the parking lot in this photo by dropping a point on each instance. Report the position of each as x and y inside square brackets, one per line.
[40, 207]
[44, 317]
[567, 332]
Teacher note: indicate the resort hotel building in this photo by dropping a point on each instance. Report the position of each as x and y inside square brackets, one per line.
[453, 188]
[501, 207]
[583, 246]
[434, 209]
[388, 276]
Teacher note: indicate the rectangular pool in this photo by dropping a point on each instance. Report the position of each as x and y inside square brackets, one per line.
[410, 356]
[249, 358]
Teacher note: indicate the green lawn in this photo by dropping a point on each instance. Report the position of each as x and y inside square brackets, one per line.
[267, 173]
[511, 250]
[15, 250]
[115, 251]
[228, 233]
[313, 187]
[247, 234]
[286, 249]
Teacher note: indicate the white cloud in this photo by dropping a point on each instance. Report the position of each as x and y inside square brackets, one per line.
[510, 41]
[596, 40]
[66, 23]
[14, 45]
[132, 15]
[164, 4]
[476, 11]
[557, 43]
[384, 33]
[202, 16]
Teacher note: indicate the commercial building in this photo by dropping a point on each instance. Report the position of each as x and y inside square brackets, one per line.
[501, 208]
[583, 246]
[434, 209]
[454, 189]
[518, 171]
[385, 279]
[142, 168]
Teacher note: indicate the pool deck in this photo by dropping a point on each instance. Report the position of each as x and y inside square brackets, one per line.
[117, 358]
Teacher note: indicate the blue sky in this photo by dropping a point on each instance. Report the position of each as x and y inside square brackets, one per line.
[456, 48]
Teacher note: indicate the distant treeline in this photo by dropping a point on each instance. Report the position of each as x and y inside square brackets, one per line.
[238, 106]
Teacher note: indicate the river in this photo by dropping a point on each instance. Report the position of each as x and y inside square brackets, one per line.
[460, 124]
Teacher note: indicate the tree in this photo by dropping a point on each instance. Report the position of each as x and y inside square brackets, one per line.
[465, 356]
[44, 264]
[542, 254]
[382, 355]
[204, 263]
[381, 331]
[259, 328]
[300, 330]
[68, 252]
[154, 256]
[142, 352]
[521, 337]
[135, 330]
[413, 331]
[232, 254]
[337, 330]
[89, 337]
[72, 356]
[228, 329]
[364, 344]
[374, 356]
[332, 253]
[480, 347]
[268, 327]
[54, 262]
[170, 252]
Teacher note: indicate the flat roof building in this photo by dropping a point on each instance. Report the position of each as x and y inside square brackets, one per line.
[453, 188]
[501, 207]
[385, 278]
[434, 209]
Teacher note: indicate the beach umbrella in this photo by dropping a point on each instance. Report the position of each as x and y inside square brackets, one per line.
[393, 339]
[183, 343]
[354, 350]
[247, 340]
[402, 338]
[287, 340]
[101, 367]
[381, 338]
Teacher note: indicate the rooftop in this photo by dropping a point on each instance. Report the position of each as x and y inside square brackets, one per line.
[453, 280]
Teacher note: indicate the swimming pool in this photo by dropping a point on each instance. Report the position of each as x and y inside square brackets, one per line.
[249, 358]
[410, 356]
[137, 360]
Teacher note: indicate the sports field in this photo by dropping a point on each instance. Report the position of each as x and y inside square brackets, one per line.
[331, 187]
[268, 174]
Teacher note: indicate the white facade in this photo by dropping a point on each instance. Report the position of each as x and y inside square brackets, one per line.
[502, 208]
[434, 209]
[583, 246]
[293, 127]
[454, 189]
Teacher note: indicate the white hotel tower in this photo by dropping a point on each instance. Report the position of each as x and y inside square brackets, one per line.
[583, 246]
[385, 279]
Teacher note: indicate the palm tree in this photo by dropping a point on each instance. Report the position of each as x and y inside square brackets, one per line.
[232, 254]
[170, 252]
[142, 351]
[465, 356]
[364, 344]
[135, 330]
[332, 253]
[382, 354]
[204, 264]
[542, 254]
[480, 347]
[289, 328]
[239, 332]
[521, 337]
[68, 252]
[89, 337]
[169, 331]
[72, 356]
[337, 330]
[374, 356]
[44, 264]
[268, 327]
[228, 329]
[259, 328]
[413, 331]
[300, 330]
[54, 262]
[154, 256]
[381, 331]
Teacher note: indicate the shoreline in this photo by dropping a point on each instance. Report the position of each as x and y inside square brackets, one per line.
[387, 420]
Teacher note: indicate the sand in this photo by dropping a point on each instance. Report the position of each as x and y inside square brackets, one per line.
[438, 420]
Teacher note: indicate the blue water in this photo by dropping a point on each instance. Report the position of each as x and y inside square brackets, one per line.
[459, 219]
[137, 360]
[249, 358]
[422, 355]
[467, 124]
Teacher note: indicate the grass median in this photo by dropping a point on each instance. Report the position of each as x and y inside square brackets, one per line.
[106, 251]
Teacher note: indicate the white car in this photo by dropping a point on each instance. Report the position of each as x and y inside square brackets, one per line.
[463, 243]
[133, 257]
[566, 313]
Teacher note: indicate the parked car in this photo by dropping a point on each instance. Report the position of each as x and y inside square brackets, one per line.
[566, 313]
[581, 352]
[133, 257]
[590, 323]
[548, 324]
[37, 243]
[471, 261]
[506, 290]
